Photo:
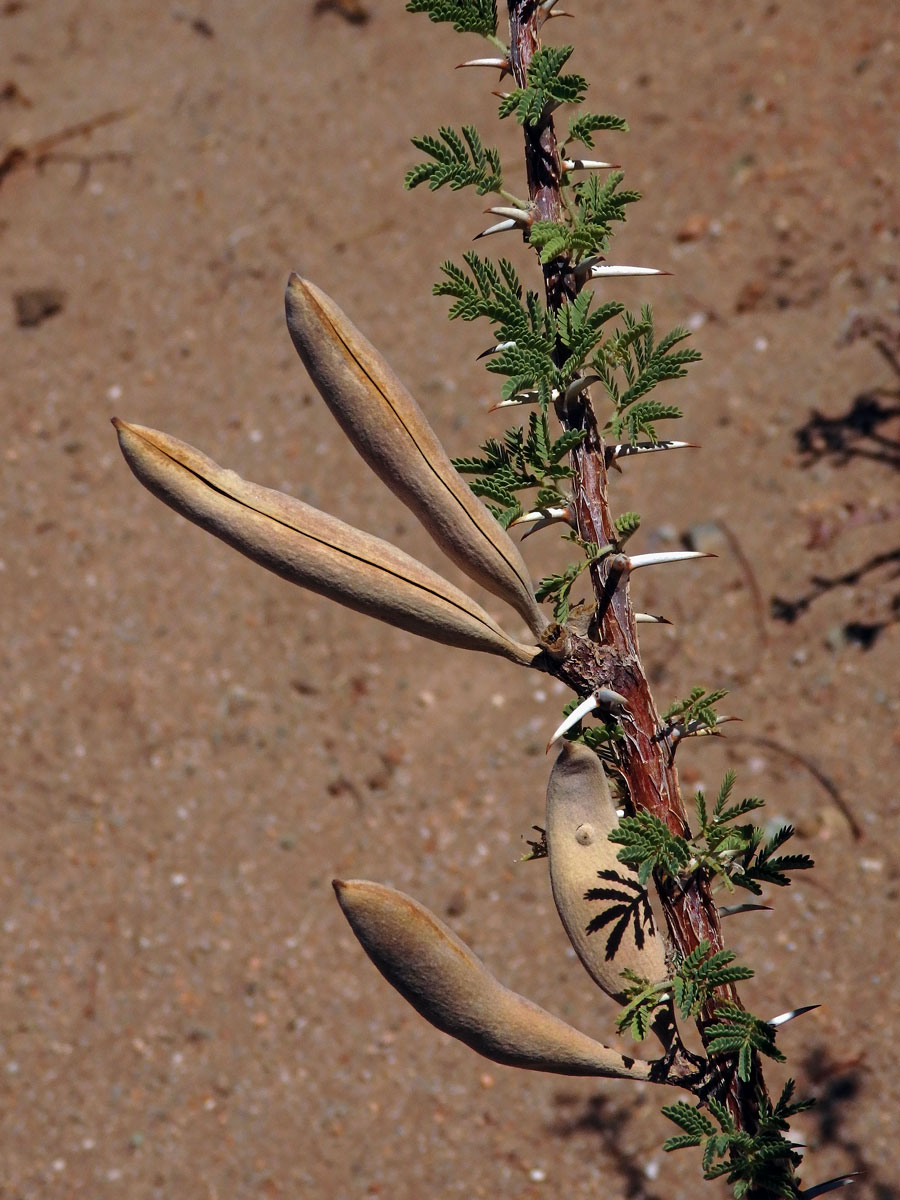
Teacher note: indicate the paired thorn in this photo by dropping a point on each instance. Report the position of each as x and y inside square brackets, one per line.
[602, 698]
[633, 561]
[540, 518]
[514, 218]
[522, 216]
[829, 1186]
[649, 619]
[627, 449]
[783, 1018]
[732, 910]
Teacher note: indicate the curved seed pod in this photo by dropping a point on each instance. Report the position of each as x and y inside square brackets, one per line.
[443, 980]
[312, 548]
[390, 431]
[605, 910]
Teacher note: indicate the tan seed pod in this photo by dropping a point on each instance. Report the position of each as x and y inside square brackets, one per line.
[312, 548]
[443, 980]
[389, 430]
[605, 910]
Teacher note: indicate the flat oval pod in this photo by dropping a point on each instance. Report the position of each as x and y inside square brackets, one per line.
[452, 989]
[312, 548]
[605, 910]
[390, 431]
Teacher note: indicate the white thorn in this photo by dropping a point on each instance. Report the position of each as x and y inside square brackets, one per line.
[577, 386]
[548, 10]
[538, 527]
[585, 707]
[500, 64]
[783, 1018]
[583, 269]
[607, 271]
[587, 164]
[829, 1186]
[665, 556]
[498, 349]
[500, 227]
[626, 449]
[732, 910]
[529, 397]
[541, 519]
[521, 216]
[541, 514]
[650, 619]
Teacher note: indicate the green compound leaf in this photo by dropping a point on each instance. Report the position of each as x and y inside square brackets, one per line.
[633, 356]
[597, 204]
[567, 442]
[764, 1161]
[695, 1123]
[699, 706]
[580, 327]
[639, 420]
[467, 16]
[600, 203]
[626, 526]
[546, 86]
[643, 999]
[758, 866]
[740, 1033]
[582, 127]
[558, 587]
[649, 844]
[700, 973]
[459, 160]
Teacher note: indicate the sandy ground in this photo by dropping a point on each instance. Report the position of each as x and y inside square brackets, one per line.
[193, 749]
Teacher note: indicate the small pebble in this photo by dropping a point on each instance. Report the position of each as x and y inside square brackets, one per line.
[693, 228]
[34, 305]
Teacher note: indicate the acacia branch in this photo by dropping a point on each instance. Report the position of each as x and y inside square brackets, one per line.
[612, 659]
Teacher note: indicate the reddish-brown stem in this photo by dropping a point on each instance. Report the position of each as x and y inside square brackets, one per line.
[609, 655]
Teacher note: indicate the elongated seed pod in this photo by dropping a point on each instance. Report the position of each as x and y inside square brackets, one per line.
[443, 980]
[605, 910]
[389, 430]
[312, 548]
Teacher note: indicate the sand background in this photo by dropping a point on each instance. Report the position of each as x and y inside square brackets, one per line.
[193, 749]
